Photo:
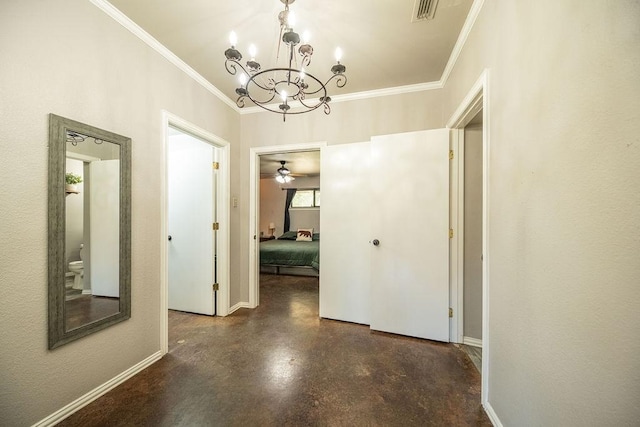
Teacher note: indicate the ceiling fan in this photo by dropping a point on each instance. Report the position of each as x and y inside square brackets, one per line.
[283, 175]
[268, 169]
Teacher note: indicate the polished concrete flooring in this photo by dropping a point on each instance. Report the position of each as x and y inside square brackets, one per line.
[280, 364]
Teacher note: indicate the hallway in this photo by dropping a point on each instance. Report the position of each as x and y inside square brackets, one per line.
[280, 364]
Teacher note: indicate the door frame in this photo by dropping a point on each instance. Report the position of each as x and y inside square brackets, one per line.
[476, 100]
[254, 207]
[222, 203]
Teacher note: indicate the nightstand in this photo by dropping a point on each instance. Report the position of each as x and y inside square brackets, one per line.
[264, 239]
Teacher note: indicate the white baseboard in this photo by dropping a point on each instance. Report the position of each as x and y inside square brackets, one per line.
[86, 292]
[474, 342]
[241, 304]
[83, 401]
[492, 415]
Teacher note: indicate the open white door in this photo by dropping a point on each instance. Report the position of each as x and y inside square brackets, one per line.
[393, 191]
[104, 242]
[191, 195]
[345, 215]
[410, 265]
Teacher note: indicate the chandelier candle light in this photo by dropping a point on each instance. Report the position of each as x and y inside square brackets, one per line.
[283, 84]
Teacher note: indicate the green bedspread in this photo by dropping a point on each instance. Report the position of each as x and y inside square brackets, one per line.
[290, 253]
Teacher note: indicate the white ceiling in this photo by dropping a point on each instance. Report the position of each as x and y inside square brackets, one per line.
[300, 164]
[382, 47]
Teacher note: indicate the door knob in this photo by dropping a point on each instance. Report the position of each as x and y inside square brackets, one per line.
[375, 242]
[169, 237]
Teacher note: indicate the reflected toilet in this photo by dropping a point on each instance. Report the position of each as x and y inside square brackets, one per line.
[77, 268]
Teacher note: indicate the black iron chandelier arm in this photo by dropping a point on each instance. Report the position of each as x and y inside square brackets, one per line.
[259, 103]
[269, 87]
[341, 80]
[231, 66]
[309, 107]
[240, 101]
[291, 83]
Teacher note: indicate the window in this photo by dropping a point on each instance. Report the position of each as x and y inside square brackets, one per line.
[306, 199]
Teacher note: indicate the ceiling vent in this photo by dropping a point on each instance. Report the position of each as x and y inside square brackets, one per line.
[423, 10]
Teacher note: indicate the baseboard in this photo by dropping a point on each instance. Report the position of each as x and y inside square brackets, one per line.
[86, 292]
[473, 342]
[241, 304]
[492, 415]
[83, 401]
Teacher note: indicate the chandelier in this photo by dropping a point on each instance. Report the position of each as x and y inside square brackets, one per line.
[284, 84]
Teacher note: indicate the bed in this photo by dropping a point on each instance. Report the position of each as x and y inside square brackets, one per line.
[286, 251]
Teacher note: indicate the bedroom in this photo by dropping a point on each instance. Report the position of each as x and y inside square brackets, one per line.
[289, 214]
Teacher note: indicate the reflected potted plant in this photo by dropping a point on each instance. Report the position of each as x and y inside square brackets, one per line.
[71, 182]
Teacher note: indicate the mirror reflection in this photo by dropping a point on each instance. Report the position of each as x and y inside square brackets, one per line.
[89, 230]
[92, 217]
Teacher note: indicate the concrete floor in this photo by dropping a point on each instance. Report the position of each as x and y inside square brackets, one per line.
[280, 364]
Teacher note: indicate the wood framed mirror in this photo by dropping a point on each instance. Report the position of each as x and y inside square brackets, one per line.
[89, 234]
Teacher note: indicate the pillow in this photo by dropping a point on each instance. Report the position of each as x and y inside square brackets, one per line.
[289, 235]
[316, 237]
[304, 235]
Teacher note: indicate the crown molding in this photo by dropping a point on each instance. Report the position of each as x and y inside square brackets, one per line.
[462, 39]
[123, 20]
[361, 95]
[134, 28]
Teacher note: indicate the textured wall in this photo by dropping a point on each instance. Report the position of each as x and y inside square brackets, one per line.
[564, 207]
[353, 121]
[67, 57]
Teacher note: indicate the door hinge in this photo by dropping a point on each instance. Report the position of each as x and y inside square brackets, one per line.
[216, 226]
[450, 312]
[216, 287]
[216, 165]
[450, 154]
[451, 233]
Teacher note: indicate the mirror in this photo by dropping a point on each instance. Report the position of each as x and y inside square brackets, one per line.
[89, 229]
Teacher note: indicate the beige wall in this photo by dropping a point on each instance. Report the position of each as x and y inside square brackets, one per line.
[473, 232]
[563, 194]
[563, 199]
[564, 207]
[353, 121]
[67, 57]
[272, 198]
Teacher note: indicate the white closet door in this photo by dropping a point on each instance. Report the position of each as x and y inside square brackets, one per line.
[191, 193]
[345, 223]
[410, 211]
[105, 227]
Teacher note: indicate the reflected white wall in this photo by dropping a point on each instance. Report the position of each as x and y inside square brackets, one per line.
[74, 215]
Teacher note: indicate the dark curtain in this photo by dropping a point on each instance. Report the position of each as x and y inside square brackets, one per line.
[287, 204]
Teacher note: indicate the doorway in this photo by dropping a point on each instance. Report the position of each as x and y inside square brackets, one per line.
[471, 118]
[186, 144]
[256, 225]
[192, 166]
[472, 245]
